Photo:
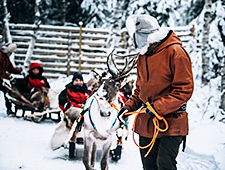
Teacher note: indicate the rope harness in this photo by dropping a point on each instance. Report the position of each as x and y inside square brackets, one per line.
[155, 120]
[89, 113]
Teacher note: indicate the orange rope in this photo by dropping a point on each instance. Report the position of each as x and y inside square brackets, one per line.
[114, 106]
[156, 125]
[155, 120]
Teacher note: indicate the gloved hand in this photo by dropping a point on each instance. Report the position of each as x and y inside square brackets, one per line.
[121, 115]
[12, 79]
[42, 83]
[33, 90]
[44, 90]
[67, 106]
[150, 114]
[23, 73]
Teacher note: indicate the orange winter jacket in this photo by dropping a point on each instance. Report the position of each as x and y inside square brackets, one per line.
[165, 79]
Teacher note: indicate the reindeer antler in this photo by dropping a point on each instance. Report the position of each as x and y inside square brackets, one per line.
[134, 62]
[107, 62]
[121, 73]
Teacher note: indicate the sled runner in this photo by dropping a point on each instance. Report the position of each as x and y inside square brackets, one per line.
[48, 114]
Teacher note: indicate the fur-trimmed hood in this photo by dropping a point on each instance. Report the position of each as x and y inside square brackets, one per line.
[145, 30]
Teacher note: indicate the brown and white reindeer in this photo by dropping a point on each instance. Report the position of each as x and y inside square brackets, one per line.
[100, 120]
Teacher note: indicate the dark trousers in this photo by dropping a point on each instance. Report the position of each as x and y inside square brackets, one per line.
[8, 104]
[163, 154]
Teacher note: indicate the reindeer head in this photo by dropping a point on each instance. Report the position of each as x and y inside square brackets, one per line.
[112, 81]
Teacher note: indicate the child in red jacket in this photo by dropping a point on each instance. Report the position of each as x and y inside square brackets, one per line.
[75, 94]
[35, 81]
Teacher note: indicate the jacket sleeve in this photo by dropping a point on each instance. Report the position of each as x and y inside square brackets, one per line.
[182, 84]
[63, 99]
[25, 86]
[133, 103]
[4, 75]
[12, 69]
[46, 82]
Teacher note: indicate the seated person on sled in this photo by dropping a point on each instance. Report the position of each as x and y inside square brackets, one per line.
[6, 67]
[74, 95]
[35, 85]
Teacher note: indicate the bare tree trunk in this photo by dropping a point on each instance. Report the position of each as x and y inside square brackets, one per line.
[222, 103]
[6, 31]
[37, 23]
[80, 46]
[205, 43]
[69, 53]
[64, 12]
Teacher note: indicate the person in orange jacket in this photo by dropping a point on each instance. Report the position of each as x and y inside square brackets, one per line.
[165, 82]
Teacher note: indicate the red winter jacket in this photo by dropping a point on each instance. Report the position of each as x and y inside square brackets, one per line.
[73, 95]
[33, 81]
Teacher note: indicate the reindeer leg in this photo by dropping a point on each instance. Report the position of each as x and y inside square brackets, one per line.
[93, 154]
[86, 156]
[105, 153]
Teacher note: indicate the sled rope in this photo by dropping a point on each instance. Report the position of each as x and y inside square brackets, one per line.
[155, 120]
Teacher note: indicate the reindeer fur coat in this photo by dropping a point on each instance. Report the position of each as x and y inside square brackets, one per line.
[164, 79]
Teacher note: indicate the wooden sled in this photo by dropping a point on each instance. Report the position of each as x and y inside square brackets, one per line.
[38, 108]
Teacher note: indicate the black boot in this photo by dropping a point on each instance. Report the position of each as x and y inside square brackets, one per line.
[8, 105]
[116, 153]
[71, 150]
[10, 112]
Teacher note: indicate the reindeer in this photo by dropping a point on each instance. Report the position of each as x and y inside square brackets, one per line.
[100, 120]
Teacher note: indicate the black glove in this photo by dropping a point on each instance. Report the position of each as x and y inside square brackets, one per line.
[150, 114]
[67, 106]
[121, 116]
[12, 79]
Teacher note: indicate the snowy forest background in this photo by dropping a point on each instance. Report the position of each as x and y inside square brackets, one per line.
[207, 105]
[206, 15]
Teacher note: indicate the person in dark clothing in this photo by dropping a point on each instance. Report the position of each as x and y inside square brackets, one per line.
[6, 68]
[75, 94]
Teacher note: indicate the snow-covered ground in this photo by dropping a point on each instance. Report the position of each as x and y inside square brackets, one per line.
[26, 145]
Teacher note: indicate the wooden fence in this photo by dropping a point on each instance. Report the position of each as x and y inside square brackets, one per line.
[62, 50]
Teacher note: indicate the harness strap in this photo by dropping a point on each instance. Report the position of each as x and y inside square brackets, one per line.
[89, 113]
[92, 123]
[184, 142]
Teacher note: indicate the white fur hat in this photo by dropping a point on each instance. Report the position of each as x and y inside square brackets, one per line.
[8, 48]
[144, 30]
[141, 23]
